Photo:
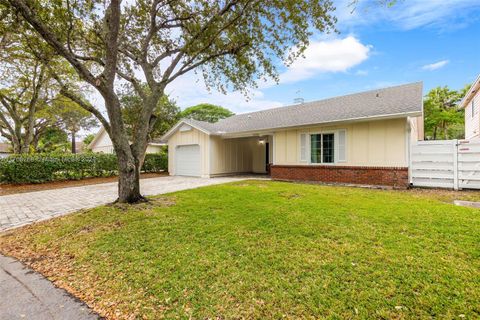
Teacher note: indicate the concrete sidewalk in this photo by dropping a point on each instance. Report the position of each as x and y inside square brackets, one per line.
[25, 294]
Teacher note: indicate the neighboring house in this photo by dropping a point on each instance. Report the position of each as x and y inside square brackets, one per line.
[102, 144]
[5, 149]
[361, 138]
[471, 103]
[79, 147]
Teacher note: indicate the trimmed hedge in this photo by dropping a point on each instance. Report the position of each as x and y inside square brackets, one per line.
[39, 168]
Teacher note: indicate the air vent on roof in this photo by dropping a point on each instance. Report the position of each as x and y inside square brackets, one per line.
[249, 116]
[298, 100]
[378, 95]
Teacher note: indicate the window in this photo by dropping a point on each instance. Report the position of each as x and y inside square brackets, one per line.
[322, 148]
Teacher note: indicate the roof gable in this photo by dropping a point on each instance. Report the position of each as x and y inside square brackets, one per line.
[471, 93]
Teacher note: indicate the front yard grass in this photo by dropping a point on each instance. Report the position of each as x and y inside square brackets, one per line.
[261, 250]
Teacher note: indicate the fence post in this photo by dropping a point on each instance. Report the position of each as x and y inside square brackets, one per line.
[455, 164]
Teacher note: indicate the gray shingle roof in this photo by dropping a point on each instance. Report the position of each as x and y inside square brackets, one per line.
[394, 101]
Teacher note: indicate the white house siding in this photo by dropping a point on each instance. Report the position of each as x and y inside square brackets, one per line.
[153, 149]
[369, 143]
[472, 123]
[238, 155]
[190, 137]
[228, 156]
[103, 144]
[417, 132]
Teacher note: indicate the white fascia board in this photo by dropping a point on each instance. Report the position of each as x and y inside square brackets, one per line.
[269, 131]
[177, 126]
[471, 92]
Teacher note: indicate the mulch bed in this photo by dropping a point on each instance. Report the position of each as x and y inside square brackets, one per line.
[6, 189]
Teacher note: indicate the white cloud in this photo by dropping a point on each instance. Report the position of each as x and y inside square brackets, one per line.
[361, 73]
[189, 90]
[436, 65]
[409, 14]
[336, 55]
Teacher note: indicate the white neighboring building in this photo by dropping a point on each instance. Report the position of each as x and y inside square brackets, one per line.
[5, 149]
[471, 103]
[102, 144]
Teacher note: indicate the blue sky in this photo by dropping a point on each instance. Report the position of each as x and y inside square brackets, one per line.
[434, 41]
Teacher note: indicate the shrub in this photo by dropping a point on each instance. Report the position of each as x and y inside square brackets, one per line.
[155, 162]
[40, 168]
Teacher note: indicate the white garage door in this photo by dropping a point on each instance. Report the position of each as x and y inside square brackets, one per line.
[187, 161]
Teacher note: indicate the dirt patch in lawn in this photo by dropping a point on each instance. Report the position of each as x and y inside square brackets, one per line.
[6, 189]
[445, 195]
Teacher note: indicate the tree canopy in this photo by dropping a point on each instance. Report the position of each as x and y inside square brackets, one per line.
[25, 92]
[72, 118]
[166, 114]
[443, 118]
[206, 112]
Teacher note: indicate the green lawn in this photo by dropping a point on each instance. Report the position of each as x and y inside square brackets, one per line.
[263, 249]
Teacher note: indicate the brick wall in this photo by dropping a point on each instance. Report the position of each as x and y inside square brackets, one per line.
[381, 176]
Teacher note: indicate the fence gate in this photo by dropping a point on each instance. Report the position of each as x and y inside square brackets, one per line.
[451, 164]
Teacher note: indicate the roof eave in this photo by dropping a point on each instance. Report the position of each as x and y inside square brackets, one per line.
[95, 139]
[170, 132]
[470, 93]
[349, 120]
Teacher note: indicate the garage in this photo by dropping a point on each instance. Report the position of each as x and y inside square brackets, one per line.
[187, 162]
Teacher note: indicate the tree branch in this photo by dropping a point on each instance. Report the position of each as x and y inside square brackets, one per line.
[86, 105]
[52, 40]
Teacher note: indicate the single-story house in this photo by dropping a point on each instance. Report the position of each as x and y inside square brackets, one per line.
[361, 138]
[103, 144]
[5, 149]
[471, 104]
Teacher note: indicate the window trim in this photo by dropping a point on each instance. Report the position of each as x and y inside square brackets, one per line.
[307, 144]
[335, 144]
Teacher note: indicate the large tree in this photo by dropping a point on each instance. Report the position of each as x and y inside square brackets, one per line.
[443, 118]
[206, 112]
[23, 101]
[53, 140]
[72, 118]
[166, 114]
[231, 43]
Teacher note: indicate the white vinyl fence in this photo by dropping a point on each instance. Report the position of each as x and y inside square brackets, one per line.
[453, 164]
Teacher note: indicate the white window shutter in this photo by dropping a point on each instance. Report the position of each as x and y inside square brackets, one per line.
[342, 145]
[303, 147]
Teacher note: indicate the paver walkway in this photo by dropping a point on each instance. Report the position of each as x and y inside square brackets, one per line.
[25, 294]
[25, 208]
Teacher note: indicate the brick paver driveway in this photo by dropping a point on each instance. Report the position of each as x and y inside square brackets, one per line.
[24, 208]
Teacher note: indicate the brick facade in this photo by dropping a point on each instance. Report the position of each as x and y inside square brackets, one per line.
[396, 177]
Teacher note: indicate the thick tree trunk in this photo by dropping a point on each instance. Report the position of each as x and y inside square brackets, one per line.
[74, 144]
[129, 181]
[17, 149]
[128, 163]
